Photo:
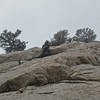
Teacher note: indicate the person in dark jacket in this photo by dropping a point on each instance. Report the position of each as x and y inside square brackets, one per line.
[45, 49]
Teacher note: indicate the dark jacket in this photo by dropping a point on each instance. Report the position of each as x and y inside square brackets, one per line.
[45, 49]
[46, 45]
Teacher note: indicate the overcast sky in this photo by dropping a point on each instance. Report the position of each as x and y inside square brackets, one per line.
[40, 19]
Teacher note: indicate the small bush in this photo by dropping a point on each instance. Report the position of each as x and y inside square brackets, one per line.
[85, 35]
[59, 38]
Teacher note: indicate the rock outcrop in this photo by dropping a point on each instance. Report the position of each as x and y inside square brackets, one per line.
[72, 65]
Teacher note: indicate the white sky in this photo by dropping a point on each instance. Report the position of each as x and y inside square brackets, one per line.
[40, 19]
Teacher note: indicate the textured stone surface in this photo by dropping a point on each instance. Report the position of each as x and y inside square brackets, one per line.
[73, 70]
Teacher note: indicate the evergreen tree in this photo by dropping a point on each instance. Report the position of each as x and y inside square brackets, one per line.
[9, 41]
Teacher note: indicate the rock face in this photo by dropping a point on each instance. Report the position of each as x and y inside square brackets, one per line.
[71, 72]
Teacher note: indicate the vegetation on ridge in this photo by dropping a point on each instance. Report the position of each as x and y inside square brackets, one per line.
[9, 41]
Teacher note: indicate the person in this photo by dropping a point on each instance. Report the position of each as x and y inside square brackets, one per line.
[45, 49]
[70, 40]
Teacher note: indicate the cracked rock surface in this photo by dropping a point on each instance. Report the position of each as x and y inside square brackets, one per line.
[71, 72]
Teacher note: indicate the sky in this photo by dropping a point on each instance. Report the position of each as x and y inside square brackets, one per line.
[39, 20]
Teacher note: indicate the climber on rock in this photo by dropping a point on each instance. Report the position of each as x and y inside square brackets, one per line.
[45, 49]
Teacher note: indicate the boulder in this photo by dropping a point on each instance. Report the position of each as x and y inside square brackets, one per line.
[74, 65]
